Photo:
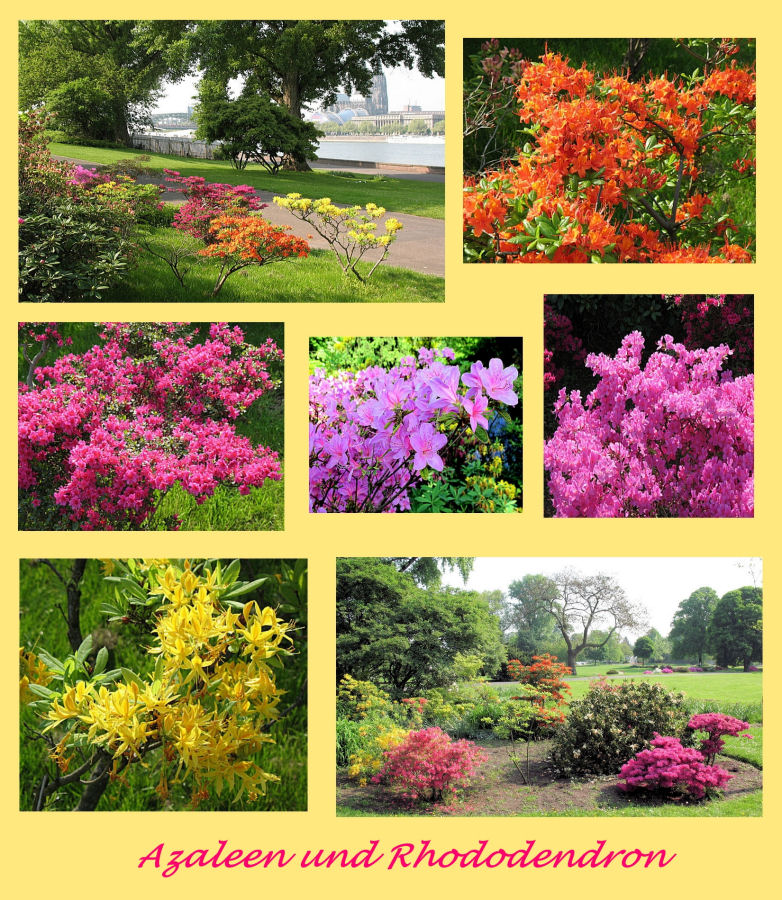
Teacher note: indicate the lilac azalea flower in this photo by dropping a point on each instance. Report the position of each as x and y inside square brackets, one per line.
[498, 382]
[426, 442]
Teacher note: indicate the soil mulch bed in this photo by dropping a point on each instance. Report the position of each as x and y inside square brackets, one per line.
[499, 789]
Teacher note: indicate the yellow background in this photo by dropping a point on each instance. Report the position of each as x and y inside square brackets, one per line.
[60, 855]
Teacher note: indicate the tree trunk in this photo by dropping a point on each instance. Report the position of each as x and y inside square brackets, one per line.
[121, 133]
[73, 590]
[571, 660]
[291, 99]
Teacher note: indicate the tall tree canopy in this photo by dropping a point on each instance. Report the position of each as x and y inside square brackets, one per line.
[99, 76]
[690, 626]
[527, 613]
[403, 637]
[586, 602]
[298, 62]
[736, 628]
[426, 570]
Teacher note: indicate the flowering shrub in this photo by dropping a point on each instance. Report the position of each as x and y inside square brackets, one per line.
[613, 721]
[558, 338]
[349, 232]
[376, 434]
[716, 725]
[205, 202]
[614, 170]
[547, 677]
[675, 438]
[206, 706]
[100, 434]
[668, 767]
[241, 241]
[428, 764]
[74, 223]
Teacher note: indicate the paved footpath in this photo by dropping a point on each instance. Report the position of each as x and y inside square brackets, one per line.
[419, 246]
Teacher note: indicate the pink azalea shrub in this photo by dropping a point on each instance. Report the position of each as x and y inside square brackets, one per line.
[205, 202]
[716, 725]
[672, 438]
[666, 670]
[428, 763]
[669, 767]
[373, 433]
[101, 433]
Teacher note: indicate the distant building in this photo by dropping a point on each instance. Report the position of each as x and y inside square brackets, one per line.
[409, 108]
[373, 105]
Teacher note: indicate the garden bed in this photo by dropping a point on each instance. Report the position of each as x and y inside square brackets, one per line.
[499, 790]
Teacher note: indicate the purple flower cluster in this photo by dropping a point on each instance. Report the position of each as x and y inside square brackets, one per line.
[669, 767]
[101, 432]
[374, 432]
[673, 438]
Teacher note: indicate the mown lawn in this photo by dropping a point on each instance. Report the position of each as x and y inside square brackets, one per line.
[315, 279]
[419, 198]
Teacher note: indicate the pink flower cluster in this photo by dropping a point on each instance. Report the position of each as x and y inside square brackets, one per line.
[668, 766]
[374, 432]
[100, 433]
[673, 438]
[205, 202]
[87, 177]
[428, 763]
[716, 725]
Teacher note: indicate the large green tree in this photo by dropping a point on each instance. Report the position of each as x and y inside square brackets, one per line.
[690, 626]
[99, 76]
[644, 647]
[427, 570]
[300, 62]
[404, 637]
[735, 632]
[527, 614]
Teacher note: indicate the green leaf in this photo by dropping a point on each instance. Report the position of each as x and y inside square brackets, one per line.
[130, 677]
[100, 661]
[84, 650]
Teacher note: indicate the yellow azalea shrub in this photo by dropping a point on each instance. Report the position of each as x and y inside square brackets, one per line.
[203, 712]
[350, 231]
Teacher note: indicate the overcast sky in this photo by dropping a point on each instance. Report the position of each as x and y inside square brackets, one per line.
[404, 87]
[659, 584]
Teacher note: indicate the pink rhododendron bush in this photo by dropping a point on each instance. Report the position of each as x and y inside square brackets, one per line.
[105, 433]
[427, 764]
[670, 768]
[376, 435]
[673, 437]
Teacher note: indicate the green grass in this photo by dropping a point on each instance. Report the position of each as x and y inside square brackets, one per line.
[316, 279]
[728, 687]
[418, 198]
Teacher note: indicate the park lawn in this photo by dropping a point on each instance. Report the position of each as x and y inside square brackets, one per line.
[399, 195]
[727, 687]
[317, 278]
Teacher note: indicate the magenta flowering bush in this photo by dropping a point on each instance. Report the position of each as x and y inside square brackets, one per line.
[668, 767]
[722, 318]
[672, 438]
[376, 434]
[427, 764]
[206, 202]
[716, 725]
[103, 433]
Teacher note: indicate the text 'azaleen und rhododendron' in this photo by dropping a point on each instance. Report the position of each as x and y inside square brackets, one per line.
[101, 432]
[613, 170]
[374, 433]
[672, 438]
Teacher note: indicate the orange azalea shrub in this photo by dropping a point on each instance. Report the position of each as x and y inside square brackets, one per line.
[241, 241]
[613, 170]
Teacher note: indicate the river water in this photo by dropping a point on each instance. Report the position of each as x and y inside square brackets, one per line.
[401, 152]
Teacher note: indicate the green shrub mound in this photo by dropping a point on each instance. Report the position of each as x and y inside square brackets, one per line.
[613, 722]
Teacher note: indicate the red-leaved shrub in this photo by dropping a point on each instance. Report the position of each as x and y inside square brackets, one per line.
[428, 763]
